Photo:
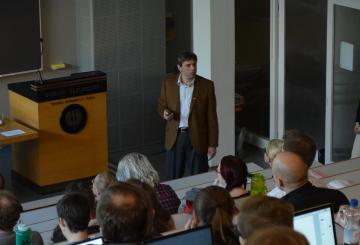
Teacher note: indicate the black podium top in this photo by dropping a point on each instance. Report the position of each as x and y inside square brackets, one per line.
[76, 84]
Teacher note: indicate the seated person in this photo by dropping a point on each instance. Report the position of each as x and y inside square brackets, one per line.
[74, 215]
[261, 212]
[163, 221]
[291, 175]
[137, 166]
[232, 175]
[84, 189]
[272, 149]
[10, 209]
[125, 214]
[277, 235]
[214, 206]
[304, 146]
[101, 182]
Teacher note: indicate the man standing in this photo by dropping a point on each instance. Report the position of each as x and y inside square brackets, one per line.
[187, 102]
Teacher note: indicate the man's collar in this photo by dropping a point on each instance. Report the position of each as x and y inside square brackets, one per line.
[179, 82]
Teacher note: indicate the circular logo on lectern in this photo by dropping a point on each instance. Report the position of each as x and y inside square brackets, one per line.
[73, 118]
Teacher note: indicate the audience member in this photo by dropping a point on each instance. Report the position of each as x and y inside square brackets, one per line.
[232, 174]
[10, 209]
[277, 235]
[301, 144]
[260, 212]
[291, 175]
[74, 215]
[84, 189]
[2, 182]
[101, 182]
[125, 214]
[272, 149]
[214, 206]
[136, 165]
[163, 221]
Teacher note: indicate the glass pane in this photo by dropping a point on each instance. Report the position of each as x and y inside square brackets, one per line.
[305, 67]
[346, 81]
[252, 77]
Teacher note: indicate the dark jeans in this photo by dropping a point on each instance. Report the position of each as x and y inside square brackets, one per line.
[183, 154]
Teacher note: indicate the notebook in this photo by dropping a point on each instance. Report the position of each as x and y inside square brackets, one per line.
[317, 225]
[199, 236]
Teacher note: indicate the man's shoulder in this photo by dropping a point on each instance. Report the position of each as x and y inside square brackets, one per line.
[171, 77]
[203, 80]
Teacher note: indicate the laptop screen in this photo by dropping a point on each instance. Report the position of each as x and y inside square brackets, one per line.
[317, 225]
[200, 236]
[93, 241]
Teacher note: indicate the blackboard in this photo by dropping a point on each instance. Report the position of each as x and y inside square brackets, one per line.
[20, 38]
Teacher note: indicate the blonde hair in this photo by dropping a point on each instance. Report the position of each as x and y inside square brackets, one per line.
[137, 166]
[273, 148]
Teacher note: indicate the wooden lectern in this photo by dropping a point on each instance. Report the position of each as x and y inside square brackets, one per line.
[69, 114]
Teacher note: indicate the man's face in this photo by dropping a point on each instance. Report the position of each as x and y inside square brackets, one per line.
[188, 69]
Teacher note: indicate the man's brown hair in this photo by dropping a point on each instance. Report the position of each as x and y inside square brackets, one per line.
[10, 209]
[125, 214]
[263, 211]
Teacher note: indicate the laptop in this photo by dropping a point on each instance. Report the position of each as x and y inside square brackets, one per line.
[316, 224]
[91, 241]
[199, 236]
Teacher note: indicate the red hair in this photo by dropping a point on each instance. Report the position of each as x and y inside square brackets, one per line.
[234, 171]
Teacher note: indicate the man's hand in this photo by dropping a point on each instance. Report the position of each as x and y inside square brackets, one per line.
[357, 128]
[168, 115]
[211, 152]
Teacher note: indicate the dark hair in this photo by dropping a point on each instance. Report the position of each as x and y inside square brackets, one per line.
[234, 171]
[184, 56]
[301, 144]
[83, 188]
[214, 205]
[2, 182]
[10, 209]
[263, 211]
[124, 214]
[162, 218]
[74, 208]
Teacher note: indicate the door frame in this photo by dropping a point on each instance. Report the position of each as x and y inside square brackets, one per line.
[329, 72]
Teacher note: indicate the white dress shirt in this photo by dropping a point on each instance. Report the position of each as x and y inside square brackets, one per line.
[186, 92]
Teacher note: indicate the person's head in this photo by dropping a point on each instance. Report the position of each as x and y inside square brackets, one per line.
[186, 64]
[102, 181]
[162, 218]
[73, 210]
[233, 171]
[300, 144]
[289, 171]
[84, 189]
[277, 235]
[272, 149]
[10, 209]
[214, 205]
[137, 166]
[2, 182]
[263, 211]
[124, 214]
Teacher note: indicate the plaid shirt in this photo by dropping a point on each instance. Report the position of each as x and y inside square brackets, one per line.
[168, 198]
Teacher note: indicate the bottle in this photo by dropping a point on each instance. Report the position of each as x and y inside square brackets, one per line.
[258, 186]
[23, 235]
[351, 227]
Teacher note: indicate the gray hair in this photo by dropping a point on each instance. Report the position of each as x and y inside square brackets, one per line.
[137, 166]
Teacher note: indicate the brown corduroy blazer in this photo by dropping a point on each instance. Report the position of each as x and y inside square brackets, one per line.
[203, 123]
